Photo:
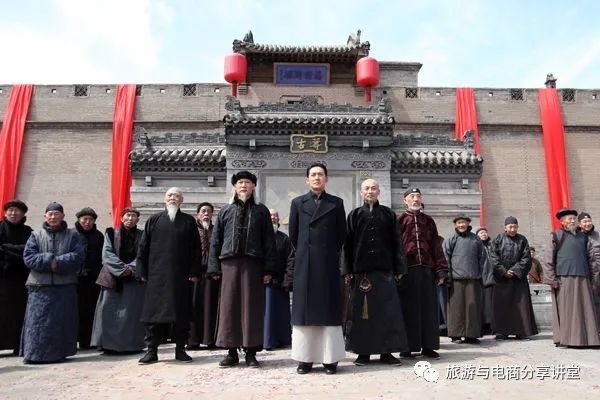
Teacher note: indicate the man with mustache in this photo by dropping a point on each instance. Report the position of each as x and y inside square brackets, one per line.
[169, 257]
[568, 270]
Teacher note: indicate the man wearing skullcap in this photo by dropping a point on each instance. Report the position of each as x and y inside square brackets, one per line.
[469, 272]
[13, 274]
[242, 255]
[587, 226]
[427, 267]
[512, 311]
[54, 255]
[568, 269]
[92, 241]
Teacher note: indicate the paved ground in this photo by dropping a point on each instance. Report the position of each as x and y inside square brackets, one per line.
[91, 375]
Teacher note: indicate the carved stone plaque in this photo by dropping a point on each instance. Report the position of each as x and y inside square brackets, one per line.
[309, 143]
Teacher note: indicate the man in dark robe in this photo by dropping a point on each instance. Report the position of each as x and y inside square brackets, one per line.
[469, 271]
[117, 326]
[87, 290]
[373, 263]
[587, 226]
[242, 254]
[512, 311]
[278, 327]
[206, 292]
[169, 260]
[317, 227]
[13, 274]
[568, 269]
[482, 234]
[54, 255]
[427, 267]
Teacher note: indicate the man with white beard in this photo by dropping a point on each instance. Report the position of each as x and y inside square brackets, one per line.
[242, 255]
[568, 270]
[169, 258]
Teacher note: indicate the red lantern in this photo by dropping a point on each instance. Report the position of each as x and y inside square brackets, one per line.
[235, 70]
[367, 75]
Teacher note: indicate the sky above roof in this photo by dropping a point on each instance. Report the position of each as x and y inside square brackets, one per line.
[468, 43]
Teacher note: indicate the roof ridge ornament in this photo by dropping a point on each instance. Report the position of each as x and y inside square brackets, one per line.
[233, 104]
[469, 141]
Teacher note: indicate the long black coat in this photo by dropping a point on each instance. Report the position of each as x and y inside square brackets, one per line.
[317, 234]
[169, 254]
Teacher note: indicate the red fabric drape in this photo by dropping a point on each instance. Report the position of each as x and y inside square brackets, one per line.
[466, 119]
[554, 151]
[121, 146]
[11, 140]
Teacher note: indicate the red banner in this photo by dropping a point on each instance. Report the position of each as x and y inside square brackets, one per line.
[466, 119]
[11, 140]
[554, 151]
[121, 146]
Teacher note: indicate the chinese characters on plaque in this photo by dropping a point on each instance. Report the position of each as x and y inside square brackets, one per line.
[308, 144]
[301, 74]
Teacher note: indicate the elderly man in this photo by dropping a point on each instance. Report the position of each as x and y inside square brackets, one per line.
[87, 290]
[587, 226]
[512, 311]
[13, 274]
[426, 268]
[242, 254]
[117, 326]
[169, 256]
[54, 255]
[469, 272]
[206, 291]
[373, 263]
[317, 230]
[278, 328]
[568, 270]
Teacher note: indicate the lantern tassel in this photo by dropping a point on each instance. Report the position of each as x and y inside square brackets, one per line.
[365, 309]
[368, 94]
[234, 89]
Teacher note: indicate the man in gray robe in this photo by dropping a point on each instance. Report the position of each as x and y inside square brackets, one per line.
[568, 270]
[117, 327]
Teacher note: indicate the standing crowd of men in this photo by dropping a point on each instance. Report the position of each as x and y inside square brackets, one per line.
[227, 285]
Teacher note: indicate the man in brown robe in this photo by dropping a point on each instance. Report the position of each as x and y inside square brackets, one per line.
[568, 270]
[242, 255]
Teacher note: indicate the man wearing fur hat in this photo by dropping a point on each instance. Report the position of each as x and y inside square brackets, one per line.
[54, 255]
[469, 272]
[427, 267]
[13, 274]
[512, 311]
[242, 255]
[92, 241]
[568, 270]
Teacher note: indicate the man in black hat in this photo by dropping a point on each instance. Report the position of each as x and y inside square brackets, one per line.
[13, 274]
[512, 311]
[587, 226]
[87, 290]
[242, 255]
[169, 260]
[54, 255]
[469, 272]
[427, 267]
[568, 270]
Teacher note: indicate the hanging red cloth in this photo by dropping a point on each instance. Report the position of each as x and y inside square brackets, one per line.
[121, 146]
[11, 140]
[554, 150]
[466, 119]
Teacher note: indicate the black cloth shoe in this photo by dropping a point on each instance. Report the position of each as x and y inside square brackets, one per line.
[192, 347]
[304, 368]
[430, 354]
[501, 337]
[181, 355]
[522, 337]
[362, 359]
[149, 358]
[251, 361]
[406, 354]
[230, 360]
[330, 369]
[389, 359]
[456, 340]
[472, 341]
